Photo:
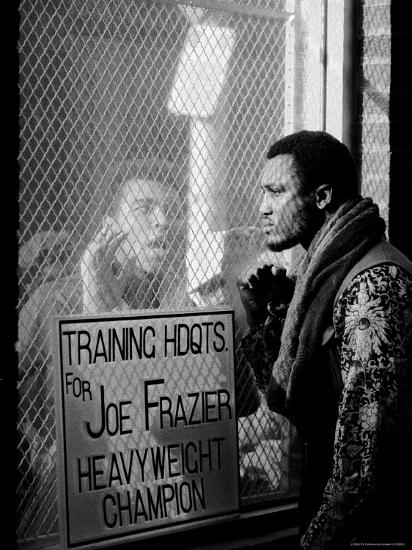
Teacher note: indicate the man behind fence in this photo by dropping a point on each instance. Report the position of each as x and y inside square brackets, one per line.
[126, 265]
[337, 359]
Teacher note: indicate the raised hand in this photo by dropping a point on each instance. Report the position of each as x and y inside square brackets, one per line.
[264, 285]
[101, 275]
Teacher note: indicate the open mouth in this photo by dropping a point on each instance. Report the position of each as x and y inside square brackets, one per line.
[158, 245]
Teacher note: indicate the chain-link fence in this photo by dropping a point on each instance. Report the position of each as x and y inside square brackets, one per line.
[375, 76]
[144, 125]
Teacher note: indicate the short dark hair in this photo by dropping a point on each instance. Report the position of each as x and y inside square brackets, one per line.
[156, 170]
[319, 158]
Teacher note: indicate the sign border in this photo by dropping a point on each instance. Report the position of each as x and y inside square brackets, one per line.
[59, 322]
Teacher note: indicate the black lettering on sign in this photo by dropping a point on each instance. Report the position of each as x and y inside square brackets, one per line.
[145, 504]
[181, 339]
[187, 410]
[112, 418]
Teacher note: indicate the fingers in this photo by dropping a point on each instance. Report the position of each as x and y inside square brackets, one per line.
[251, 278]
[260, 275]
[114, 240]
[109, 238]
[263, 275]
[102, 249]
[278, 271]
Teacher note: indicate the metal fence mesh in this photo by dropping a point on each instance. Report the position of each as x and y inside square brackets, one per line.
[375, 74]
[185, 98]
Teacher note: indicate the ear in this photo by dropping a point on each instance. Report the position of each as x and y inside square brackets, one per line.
[323, 195]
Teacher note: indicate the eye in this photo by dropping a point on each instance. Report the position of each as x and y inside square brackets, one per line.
[142, 209]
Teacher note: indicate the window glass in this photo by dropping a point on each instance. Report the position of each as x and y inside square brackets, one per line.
[144, 128]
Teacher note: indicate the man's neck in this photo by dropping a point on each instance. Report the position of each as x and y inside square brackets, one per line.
[308, 238]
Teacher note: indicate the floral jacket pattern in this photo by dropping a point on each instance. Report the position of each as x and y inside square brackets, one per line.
[373, 331]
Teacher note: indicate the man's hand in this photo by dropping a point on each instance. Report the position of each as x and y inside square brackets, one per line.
[265, 284]
[102, 289]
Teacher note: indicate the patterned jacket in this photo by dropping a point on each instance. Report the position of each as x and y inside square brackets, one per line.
[365, 473]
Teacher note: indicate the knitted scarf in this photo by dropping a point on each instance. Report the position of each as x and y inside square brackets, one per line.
[350, 232]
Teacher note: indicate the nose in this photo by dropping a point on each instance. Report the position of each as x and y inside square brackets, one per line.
[265, 208]
[158, 218]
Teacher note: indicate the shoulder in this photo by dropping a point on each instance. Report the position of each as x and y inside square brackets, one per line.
[388, 282]
[374, 312]
[373, 326]
[59, 296]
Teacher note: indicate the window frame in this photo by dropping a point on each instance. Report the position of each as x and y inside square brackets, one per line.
[277, 519]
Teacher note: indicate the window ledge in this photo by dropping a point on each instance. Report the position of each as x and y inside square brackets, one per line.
[257, 529]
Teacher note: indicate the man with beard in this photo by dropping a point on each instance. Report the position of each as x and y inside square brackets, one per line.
[334, 354]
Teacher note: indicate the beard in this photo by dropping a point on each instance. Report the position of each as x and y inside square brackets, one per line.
[283, 244]
[296, 228]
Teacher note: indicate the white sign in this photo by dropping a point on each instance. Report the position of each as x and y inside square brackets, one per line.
[146, 423]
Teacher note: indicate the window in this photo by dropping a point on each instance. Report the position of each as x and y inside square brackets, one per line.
[186, 94]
